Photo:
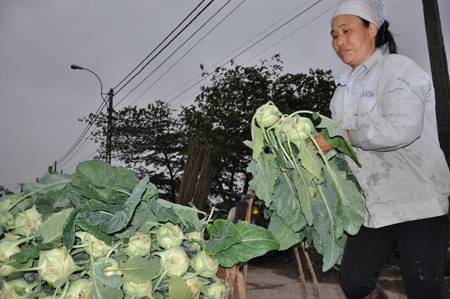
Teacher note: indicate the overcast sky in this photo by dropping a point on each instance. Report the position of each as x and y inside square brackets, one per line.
[42, 99]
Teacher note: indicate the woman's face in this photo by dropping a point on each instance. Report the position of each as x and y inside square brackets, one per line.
[352, 42]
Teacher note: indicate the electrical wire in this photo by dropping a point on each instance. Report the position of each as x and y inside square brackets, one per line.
[81, 147]
[198, 42]
[242, 46]
[175, 51]
[286, 36]
[248, 48]
[83, 134]
[159, 52]
[160, 43]
[86, 130]
[293, 32]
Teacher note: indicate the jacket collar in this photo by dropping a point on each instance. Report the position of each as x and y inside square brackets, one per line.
[343, 78]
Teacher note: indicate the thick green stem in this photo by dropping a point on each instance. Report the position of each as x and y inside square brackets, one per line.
[275, 144]
[159, 281]
[91, 257]
[33, 192]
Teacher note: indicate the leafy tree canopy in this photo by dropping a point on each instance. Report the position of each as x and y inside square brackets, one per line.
[154, 142]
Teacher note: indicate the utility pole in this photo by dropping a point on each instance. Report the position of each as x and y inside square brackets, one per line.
[439, 71]
[109, 132]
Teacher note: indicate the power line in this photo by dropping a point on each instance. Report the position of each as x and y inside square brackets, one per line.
[176, 50]
[156, 55]
[234, 51]
[198, 42]
[160, 43]
[248, 48]
[85, 131]
[293, 32]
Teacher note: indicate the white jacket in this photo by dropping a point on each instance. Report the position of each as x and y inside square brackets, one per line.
[388, 104]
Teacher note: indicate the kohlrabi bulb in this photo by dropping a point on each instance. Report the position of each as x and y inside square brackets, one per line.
[169, 235]
[80, 289]
[137, 290]
[55, 264]
[139, 245]
[204, 265]
[26, 221]
[99, 247]
[174, 261]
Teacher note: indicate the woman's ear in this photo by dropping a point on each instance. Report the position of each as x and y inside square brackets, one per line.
[373, 30]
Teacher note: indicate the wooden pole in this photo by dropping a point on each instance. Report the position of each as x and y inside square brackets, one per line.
[300, 269]
[439, 71]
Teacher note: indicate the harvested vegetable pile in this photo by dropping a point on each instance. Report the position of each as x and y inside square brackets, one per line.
[103, 233]
[310, 196]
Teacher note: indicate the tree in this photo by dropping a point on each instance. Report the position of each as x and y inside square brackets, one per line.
[147, 140]
[152, 142]
[222, 113]
[4, 191]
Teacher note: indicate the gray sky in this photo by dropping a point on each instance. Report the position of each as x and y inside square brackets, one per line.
[42, 98]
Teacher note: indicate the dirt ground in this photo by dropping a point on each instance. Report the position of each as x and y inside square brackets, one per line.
[270, 277]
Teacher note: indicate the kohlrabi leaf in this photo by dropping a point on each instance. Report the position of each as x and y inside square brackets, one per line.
[351, 206]
[122, 217]
[52, 202]
[187, 214]
[256, 241]
[52, 228]
[178, 289]
[223, 235]
[264, 176]
[257, 141]
[342, 145]
[309, 159]
[326, 229]
[285, 201]
[285, 236]
[106, 287]
[303, 182]
[139, 269]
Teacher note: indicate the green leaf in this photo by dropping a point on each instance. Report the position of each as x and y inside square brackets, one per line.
[256, 241]
[257, 141]
[264, 176]
[122, 217]
[106, 287]
[178, 289]
[285, 236]
[351, 205]
[139, 269]
[223, 235]
[309, 159]
[187, 214]
[52, 228]
[162, 214]
[333, 128]
[286, 202]
[341, 143]
[97, 172]
[326, 229]
[52, 202]
[305, 189]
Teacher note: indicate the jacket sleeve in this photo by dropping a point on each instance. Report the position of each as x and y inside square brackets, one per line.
[402, 93]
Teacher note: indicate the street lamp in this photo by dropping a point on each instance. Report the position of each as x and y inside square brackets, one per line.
[109, 102]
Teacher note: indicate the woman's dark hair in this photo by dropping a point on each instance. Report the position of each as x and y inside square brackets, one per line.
[384, 36]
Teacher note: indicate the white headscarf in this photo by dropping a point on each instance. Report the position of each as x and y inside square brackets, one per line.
[369, 10]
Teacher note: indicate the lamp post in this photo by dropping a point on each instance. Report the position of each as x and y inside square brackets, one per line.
[108, 101]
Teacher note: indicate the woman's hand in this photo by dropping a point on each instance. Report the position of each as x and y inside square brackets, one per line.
[325, 146]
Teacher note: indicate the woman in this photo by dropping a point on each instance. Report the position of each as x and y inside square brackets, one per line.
[386, 103]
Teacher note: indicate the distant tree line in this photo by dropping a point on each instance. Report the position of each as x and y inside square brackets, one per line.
[154, 142]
